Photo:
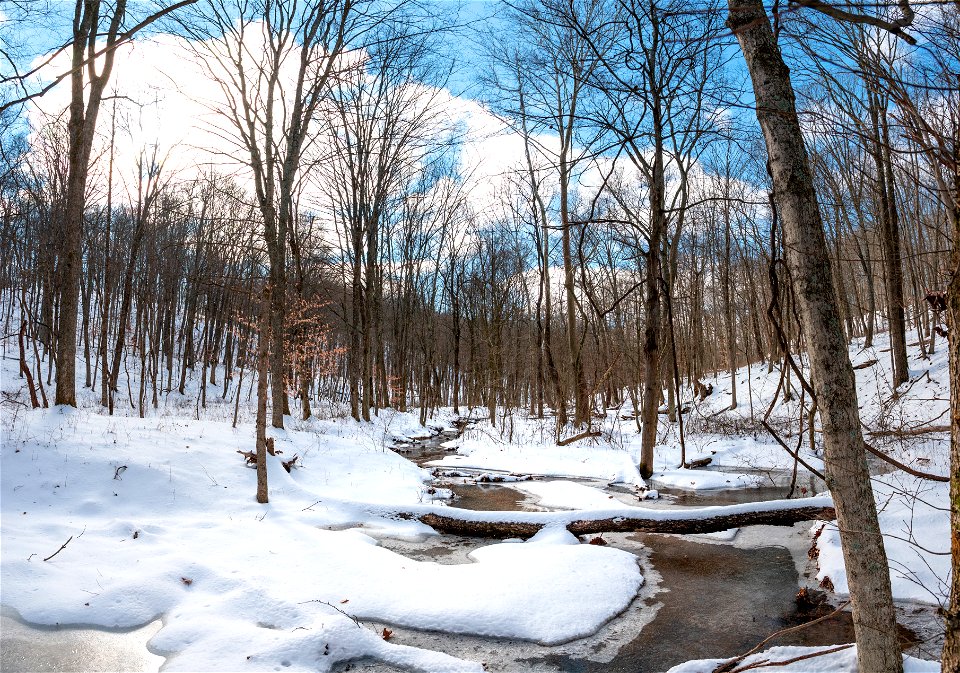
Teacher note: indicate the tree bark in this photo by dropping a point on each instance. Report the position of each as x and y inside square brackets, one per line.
[845, 463]
[263, 367]
[951, 616]
[621, 520]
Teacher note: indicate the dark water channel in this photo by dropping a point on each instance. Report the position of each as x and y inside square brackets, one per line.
[488, 497]
[712, 598]
[721, 601]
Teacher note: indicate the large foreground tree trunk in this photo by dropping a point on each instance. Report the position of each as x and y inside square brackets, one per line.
[845, 462]
[951, 644]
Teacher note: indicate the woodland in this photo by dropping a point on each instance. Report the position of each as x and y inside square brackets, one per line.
[620, 225]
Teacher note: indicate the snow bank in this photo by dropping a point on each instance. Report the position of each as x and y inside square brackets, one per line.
[592, 462]
[164, 523]
[844, 661]
[916, 538]
[700, 480]
[566, 494]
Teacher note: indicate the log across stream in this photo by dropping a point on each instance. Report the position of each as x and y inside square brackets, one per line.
[704, 596]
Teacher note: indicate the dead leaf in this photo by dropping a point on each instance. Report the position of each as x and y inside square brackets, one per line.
[598, 541]
[387, 633]
[345, 600]
[289, 464]
[186, 580]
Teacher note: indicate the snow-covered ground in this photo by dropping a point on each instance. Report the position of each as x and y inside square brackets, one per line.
[162, 521]
[804, 660]
[913, 512]
[145, 518]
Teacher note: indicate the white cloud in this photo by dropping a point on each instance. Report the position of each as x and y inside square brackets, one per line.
[167, 98]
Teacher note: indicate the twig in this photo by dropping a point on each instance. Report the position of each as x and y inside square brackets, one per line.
[345, 614]
[786, 662]
[727, 666]
[62, 547]
[208, 475]
[795, 456]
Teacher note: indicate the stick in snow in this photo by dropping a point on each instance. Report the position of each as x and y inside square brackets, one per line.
[62, 547]
[730, 665]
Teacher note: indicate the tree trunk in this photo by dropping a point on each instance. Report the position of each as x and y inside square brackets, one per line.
[727, 302]
[263, 367]
[581, 400]
[81, 128]
[833, 379]
[652, 385]
[951, 645]
[890, 244]
[278, 372]
[627, 520]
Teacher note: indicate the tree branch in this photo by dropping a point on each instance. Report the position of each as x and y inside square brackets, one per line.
[895, 27]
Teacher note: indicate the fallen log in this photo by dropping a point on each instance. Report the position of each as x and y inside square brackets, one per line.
[620, 520]
[910, 432]
[700, 462]
[577, 438]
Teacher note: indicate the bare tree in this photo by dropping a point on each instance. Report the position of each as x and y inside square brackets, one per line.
[848, 476]
[273, 61]
[98, 31]
[549, 76]
[656, 68]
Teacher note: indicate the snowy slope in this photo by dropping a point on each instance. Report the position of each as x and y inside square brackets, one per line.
[161, 521]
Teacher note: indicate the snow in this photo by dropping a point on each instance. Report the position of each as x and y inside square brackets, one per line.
[844, 661]
[914, 513]
[528, 446]
[702, 480]
[562, 494]
[161, 522]
[916, 538]
[546, 459]
[178, 534]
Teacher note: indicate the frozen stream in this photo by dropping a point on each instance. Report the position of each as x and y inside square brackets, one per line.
[24, 647]
[704, 596]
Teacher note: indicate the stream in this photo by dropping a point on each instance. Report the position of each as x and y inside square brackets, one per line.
[27, 647]
[703, 596]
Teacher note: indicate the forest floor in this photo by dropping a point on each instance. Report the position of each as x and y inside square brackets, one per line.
[115, 522]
